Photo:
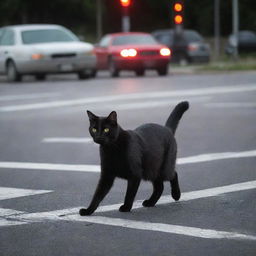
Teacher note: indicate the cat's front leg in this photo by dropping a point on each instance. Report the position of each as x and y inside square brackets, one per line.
[132, 188]
[104, 185]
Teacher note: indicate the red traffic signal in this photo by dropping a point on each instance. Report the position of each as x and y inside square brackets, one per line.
[125, 3]
[178, 9]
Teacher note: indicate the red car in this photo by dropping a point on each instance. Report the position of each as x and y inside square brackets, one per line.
[132, 51]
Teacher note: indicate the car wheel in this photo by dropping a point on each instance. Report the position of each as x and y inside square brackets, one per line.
[40, 77]
[12, 73]
[114, 72]
[163, 71]
[140, 72]
[94, 73]
[83, 75]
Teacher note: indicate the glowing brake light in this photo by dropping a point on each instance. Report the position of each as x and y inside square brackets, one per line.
[165, 52]
[128, 53]
[178, 19]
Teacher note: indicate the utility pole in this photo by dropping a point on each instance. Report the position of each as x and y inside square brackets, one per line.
[217, 28]
[235, 27]
[99, 19]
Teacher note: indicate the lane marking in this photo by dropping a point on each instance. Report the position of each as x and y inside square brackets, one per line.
[71, 214]
[166, 199]
[67, 140]
[150, 104]
[28, 96]
[133, 96]
[8, 193]
[215, 156]
[231, 105]
[165, 228]
[96, 168]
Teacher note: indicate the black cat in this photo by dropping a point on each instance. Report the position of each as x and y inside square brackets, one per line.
[148, 152]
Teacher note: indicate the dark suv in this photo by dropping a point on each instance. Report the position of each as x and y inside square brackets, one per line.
[188, 46]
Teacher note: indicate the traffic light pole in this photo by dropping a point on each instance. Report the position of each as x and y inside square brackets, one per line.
[235, 27]
[126, 20]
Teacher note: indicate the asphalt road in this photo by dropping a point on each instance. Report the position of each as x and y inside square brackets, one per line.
[49, 167]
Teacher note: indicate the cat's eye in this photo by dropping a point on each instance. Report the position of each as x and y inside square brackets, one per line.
[94, 130]
[106, 130]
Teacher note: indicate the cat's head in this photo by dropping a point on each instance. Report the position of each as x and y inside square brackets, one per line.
[104, 130]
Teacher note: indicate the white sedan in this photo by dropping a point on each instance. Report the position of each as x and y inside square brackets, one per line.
[43, 49]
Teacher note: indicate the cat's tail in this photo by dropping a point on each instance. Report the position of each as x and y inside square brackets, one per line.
[174, 118]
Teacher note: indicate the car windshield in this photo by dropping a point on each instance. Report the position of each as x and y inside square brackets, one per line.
[192, 36]
[134, 39]
[47, 36]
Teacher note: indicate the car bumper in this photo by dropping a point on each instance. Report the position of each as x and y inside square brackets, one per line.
[63, 65]
[140, 63]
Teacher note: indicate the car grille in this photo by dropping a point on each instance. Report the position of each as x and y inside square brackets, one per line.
[63, 55]
[149, 53]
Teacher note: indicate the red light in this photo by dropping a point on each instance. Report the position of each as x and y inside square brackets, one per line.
[178, 7]
[125, 3]
[178, 19]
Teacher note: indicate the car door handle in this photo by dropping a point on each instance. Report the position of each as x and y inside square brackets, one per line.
[6, 52]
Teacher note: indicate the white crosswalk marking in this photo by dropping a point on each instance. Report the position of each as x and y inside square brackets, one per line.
[72, 215]
[96, 168]
[7, 193]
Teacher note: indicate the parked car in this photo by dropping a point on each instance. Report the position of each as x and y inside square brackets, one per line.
[43, 49]
[131, 51]
[188, 46]
[246, 42]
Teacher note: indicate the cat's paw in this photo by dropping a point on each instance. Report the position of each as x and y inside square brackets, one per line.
[148, 203]
[176, 194]
[124, 208]
[85, 212]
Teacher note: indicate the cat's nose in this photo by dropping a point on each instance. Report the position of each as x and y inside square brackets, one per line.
[99, 140]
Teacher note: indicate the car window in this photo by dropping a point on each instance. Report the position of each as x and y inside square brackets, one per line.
[134, 39]
[192, 36]
[104, 42]
[247, 36]
[7, 37]
[47, 36]
[166, 39]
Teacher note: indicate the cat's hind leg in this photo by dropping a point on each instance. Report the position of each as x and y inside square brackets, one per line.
[158, 186]
[175, 187]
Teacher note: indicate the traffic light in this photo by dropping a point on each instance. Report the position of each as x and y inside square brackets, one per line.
[178, 11]
[125, 3]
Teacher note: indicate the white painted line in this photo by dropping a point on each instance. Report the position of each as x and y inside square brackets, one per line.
[151, 104]
[96, 168]
[28, 96]
[9, 212]
[160, 227]
[67, 140]
[55, 167]
[133, 96]
[231, 105]
[5, 222]
[7, 193]
[72, 215]
[216, 156]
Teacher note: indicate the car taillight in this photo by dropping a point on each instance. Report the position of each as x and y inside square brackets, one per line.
[165, 52]
[128, 53]
[193, 47]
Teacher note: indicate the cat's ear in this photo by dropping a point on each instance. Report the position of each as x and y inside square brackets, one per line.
[112, 117]
[91, 115]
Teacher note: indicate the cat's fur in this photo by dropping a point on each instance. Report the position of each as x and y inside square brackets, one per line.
[148, 153]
